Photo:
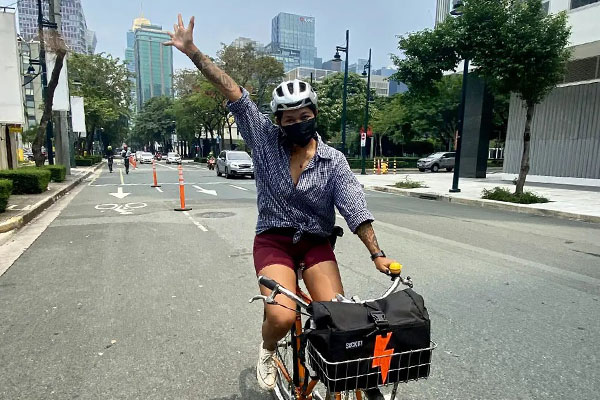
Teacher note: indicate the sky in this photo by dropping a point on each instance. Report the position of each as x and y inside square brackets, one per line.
[372, 23]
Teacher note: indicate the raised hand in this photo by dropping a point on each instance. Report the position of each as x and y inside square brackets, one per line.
[182, 38]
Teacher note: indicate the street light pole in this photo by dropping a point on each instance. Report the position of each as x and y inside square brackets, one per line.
[337, 58]
[366, 126]
[345, 97]
[461, 122]
[456, 11]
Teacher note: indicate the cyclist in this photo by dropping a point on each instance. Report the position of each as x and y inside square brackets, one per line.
[299, 180]
[126, 153]
[109, 156]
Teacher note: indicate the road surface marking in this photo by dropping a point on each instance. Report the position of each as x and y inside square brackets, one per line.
[205, 191]
[96, 176]
[121, 173]
[120, 194]
[167, 166]
[511, 259]
[159, 189]
[198, 224]
[123, 209]
[237, 187]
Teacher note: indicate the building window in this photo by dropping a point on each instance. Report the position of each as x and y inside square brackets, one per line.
[581, 3]
[583, 70]
[546, 7]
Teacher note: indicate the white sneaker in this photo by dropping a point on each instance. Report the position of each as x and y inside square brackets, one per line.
[266, 370]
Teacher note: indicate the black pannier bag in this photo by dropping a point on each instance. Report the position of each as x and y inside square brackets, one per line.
[359, 346]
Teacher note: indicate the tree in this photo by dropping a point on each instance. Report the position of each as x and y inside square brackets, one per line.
[104, 82]
[56, 44]
[154, 122]
[268, 73]
[330, 92]
[515, 46]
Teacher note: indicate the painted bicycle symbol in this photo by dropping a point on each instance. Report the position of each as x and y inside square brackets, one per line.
[123, 209]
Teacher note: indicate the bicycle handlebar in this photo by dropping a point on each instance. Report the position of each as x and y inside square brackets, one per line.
[276, 289]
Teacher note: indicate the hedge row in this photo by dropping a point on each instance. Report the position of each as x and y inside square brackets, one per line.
[58, 172]
[86, 161]
[5, 191]
[27, 180]
[200, 160]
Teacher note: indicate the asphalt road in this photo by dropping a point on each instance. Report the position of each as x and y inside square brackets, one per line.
[126, 298]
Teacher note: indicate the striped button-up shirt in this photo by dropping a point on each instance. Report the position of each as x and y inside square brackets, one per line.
[326, 182]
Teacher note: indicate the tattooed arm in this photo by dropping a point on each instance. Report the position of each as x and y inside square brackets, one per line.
[183, 39]
[366, 233]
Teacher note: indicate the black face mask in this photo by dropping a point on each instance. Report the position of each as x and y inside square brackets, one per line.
[300, 133]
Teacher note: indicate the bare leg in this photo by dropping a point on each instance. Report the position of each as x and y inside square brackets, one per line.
[278, 320]
[323, 281]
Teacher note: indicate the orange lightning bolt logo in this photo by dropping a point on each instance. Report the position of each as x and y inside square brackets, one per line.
[383, 357]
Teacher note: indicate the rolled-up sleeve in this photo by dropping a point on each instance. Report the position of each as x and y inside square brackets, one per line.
[349, 197]
[252, 124]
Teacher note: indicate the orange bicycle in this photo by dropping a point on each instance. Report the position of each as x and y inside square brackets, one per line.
[303, 373]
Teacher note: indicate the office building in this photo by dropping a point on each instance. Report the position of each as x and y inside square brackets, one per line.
[242, 42]
[77, 36]
[359, 66]
[32, 84]
[332, 65]
[293, 40]
[308, 74]
[442, 10]
[394, 87]
[565, 137]
[149, 60]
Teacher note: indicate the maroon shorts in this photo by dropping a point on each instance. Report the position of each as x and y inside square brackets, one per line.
[272, 249]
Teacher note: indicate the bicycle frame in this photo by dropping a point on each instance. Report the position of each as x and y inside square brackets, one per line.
[303, 388]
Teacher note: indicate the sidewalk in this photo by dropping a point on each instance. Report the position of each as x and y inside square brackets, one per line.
[566, 201]
[23, 208]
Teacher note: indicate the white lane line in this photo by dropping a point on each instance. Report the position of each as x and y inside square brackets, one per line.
[240, 188]
[198, 224]
[167, 166]
[159, 189]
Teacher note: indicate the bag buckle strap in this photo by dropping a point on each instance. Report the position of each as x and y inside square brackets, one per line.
[380, 321]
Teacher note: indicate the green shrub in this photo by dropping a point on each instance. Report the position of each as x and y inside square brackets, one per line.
[83, 161]
[58, 172]
[200, 160]
[5, 191]
[27, 180]
[495, 163]
[503, 194]
[407, 183]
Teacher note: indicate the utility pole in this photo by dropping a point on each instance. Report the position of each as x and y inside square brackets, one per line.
[41, 24]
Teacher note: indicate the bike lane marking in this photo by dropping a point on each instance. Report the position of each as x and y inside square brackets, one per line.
[159, 189]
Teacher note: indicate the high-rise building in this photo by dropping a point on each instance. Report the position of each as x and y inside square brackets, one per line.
[242, 42]
[442, 10]
[72, 23]
[293, 40]
[149, 61]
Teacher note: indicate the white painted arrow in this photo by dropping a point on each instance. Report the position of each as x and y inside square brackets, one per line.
[201, 190]
[120, 194]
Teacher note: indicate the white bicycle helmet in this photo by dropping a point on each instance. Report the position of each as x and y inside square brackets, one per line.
[291, 95]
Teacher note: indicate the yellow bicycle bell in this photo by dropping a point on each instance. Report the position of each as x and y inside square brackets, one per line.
[395, 268]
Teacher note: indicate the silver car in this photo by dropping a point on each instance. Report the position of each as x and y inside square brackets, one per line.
[234, 163]
[436, 161]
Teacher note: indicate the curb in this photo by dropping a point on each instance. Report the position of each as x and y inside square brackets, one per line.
[42, 205]
[489, 204]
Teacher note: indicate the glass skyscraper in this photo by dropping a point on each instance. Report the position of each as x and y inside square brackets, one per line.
[293, 40]
[72, 22]
[149, 61]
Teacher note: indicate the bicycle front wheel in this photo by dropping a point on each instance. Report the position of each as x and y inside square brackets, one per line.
[284, 355]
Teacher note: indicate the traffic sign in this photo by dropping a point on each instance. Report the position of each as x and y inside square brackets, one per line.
[363, 139]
